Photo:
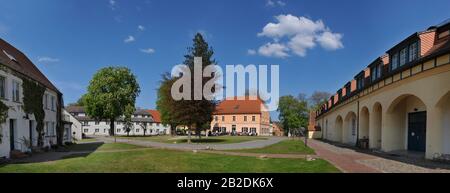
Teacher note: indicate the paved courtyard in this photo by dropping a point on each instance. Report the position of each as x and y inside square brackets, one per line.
[351, 161]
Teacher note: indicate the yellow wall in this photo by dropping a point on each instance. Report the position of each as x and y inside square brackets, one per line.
[388, 106]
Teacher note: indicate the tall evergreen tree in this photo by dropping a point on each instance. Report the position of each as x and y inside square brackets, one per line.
[196, 113]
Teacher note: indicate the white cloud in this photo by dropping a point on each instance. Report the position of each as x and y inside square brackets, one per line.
[274, 50]
[300, 43]
[300, 34]
[148, 50]
[141, 28]
[281, 3]
[330, 41]
[129, 39]
[289, 25]
[251, 52]
[271, 3]
[46, 59]
[112, 4]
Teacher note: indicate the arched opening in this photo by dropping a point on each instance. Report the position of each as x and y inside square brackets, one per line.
[375, 127]
[405, 125]
[364, 123]
[349, 130]
[443, 121]
[337, 134]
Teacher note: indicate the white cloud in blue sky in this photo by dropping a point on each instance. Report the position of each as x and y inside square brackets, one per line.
[297, 35]
[274, 50]
[274, 3]
[148, 50]
[129, 39]
[112, 4]
[46, 59]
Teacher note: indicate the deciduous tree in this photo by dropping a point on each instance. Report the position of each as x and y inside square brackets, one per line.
[111, 93]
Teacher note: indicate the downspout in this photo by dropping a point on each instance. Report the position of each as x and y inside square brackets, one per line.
[357, 125]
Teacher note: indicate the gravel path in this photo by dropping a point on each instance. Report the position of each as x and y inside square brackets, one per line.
[231, 146]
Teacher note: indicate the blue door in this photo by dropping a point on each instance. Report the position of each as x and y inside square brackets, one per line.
[417, 123]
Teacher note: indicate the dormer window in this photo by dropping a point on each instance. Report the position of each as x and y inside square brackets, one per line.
[413, 51]
[444, 34]
[394, 61]
[403, 56]
[360, 82]
[376, 72]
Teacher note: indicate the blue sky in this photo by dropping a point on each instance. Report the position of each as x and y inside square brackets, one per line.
[70, 40]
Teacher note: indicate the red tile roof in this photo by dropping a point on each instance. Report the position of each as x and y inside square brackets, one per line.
[156, 115]
[234, 106]
[22, 64]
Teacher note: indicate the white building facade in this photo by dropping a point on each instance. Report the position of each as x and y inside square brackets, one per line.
[18, 132]
[142, 121]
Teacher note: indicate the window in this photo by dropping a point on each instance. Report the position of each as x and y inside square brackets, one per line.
[15, 91]
[85, 130]
[223, 118]
[379, 70]
[97, 123]
[53, 102]
[444, 34]
[253, 118]
[360, 84]
[394, 61]
[376, 72]
[97, 130]
[413, 51]
[50, 127]
[234, 118]
[118, 130]
[253, 130]
[104, 130]
[216, 118]
[373, 73]
[2, 87]
[403, 56]
[46, 101]
[245, 118]
[137, 130]
[244, 129]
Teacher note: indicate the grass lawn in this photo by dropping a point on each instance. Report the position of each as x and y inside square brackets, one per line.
[284, 147]
[203, 140]
[161, 161]
[101, 146]
[87, 140]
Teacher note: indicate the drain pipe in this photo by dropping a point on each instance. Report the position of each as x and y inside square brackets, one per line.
[357, 125]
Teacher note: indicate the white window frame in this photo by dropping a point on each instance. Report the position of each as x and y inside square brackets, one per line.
[15, 91]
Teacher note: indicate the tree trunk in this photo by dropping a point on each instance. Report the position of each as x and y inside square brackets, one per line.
[145, 130]
[111, 127]
[199, 133]
[189, 135]
[173, 130]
